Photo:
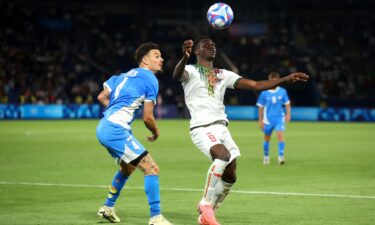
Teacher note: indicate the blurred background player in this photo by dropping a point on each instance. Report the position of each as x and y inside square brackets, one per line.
[123, 96]
[204, 88]
[271, 117]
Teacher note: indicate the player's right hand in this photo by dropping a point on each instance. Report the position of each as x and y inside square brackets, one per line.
[261, 125]
[187, 48]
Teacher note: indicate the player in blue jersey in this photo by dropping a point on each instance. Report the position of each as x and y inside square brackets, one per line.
[123, 96]
[272, 117]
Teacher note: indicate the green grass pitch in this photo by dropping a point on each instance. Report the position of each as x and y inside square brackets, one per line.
[55, 172]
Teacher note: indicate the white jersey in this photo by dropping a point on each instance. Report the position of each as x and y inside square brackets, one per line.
[204, 93]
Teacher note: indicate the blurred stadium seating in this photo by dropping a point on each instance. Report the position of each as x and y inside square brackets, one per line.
[60, 52]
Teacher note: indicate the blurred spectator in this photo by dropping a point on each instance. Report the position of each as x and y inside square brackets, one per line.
[61, 53]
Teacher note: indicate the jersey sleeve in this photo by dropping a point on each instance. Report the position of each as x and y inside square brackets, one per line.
[231, 78]
[152, 89]
[261, 100]
[190, 70]
[110, 83]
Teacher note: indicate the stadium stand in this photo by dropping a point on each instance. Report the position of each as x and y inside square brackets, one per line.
[61, 52]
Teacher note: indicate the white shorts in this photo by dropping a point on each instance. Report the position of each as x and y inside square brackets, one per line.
[206, 137]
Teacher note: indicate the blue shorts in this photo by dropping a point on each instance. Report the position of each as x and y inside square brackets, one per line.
[120, 143]
[278, 125]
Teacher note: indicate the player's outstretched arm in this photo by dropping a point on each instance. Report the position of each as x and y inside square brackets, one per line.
[179, 72]
[248, 84]
[149, 120]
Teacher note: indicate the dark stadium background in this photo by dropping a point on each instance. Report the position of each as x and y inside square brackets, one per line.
[61, 51]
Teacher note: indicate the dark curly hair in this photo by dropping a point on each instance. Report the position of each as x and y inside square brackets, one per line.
[143, 50]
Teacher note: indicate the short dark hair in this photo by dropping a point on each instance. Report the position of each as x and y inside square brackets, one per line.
[273, 75]
[143, 50]
[198, 39]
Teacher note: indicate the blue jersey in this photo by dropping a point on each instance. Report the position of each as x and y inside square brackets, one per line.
[273, 102]
[128, 91]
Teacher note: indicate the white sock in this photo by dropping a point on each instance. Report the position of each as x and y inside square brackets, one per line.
[214, 174]
[221, 191]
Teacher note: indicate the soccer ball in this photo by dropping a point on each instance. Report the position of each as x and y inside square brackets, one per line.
[220, 15]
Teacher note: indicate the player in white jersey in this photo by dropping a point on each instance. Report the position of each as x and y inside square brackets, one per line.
[271, 116]
[123, 96]
[204, 88]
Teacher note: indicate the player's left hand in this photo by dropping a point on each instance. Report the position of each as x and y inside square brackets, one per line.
[154, 136]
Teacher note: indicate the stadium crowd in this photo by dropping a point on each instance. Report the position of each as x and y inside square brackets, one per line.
[61, 53]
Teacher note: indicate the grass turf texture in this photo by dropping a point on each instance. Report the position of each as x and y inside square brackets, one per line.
[322, 158]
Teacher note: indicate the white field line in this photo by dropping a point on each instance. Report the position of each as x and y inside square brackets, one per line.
[191, 190]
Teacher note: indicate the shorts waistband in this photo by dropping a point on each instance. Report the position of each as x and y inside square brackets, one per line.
[222, 122]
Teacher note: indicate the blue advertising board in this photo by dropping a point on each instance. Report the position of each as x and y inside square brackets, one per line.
[75, 111]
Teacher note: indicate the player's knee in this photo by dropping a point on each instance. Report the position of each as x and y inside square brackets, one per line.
[156, 170]
[225, 157]
[220, 152]
[152, 170]
[126, 169]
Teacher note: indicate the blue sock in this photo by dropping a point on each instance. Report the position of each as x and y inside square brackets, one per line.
[118, 183]
[266, 148]
[281, 148]
[153, 194]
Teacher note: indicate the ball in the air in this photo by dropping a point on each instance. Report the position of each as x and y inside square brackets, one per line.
[220, 15]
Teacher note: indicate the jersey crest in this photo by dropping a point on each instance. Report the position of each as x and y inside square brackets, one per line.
[210, 77]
